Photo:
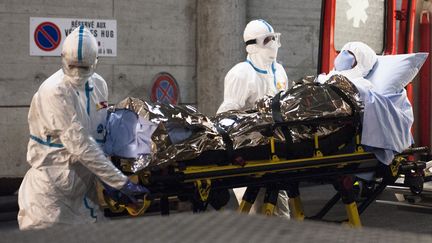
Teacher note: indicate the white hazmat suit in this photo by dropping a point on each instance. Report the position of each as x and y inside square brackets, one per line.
[260, 74]
[67, 121]
[248, 81]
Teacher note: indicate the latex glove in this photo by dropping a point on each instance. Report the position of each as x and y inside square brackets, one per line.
[131, 190]
[126, 193]
[113, 193]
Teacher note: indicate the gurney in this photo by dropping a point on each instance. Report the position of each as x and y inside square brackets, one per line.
[276, 164]
[207, 184]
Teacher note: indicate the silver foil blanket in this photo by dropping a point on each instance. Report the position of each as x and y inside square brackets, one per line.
[191, 132]
[183, 133]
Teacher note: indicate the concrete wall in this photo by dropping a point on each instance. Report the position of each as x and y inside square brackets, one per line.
[299, 24]
[153, 36]
[220, 45]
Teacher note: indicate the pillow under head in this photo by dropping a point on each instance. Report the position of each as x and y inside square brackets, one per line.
[392, 73]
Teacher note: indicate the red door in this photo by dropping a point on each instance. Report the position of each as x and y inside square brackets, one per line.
[327, 36]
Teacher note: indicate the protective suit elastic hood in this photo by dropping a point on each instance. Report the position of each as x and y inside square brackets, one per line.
[365, 59]
[79, 55]
[264, 43]
[364, 55]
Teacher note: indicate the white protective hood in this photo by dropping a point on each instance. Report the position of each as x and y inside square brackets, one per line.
[79, 55]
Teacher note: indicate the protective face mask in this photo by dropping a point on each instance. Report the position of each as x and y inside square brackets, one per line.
[269, 53]
[344, 61]
[78, 75]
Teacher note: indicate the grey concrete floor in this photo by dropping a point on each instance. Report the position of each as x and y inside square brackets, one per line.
[377, 215]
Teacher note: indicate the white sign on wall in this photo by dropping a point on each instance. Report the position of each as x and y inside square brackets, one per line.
[47, 34]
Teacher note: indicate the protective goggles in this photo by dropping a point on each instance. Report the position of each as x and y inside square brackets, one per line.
[77, 69]
[265, 40]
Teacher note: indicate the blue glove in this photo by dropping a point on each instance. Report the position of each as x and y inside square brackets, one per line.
[126, 193]
[113, 193]
[131, 190]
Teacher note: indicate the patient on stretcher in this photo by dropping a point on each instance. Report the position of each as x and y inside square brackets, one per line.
[388, 114]
[155, 135]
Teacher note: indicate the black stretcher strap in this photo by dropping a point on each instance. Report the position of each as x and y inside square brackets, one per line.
[345, 98]
[276, 111]
[355, 111]
[277, 118]
[353, 119]
[228, 142]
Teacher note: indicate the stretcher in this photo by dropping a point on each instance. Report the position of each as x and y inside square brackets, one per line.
[208, 183]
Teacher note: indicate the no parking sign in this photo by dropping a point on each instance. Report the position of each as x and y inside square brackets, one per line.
[47, 34]
[165, 89]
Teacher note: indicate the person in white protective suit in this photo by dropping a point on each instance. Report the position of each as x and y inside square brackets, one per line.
[248, 81]
[67, 121]
[260, 74]
[354, 61]
[387, 118]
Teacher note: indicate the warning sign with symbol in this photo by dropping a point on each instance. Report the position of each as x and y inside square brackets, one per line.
[165, 89]
[48, 34]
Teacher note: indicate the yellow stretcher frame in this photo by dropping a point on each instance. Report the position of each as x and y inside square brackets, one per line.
[201, 177]
[295, 203]
[275, 160]
[351, 158]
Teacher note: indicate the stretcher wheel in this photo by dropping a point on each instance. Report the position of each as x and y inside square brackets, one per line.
[417, 188]
[415, 184]
[219, 198]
